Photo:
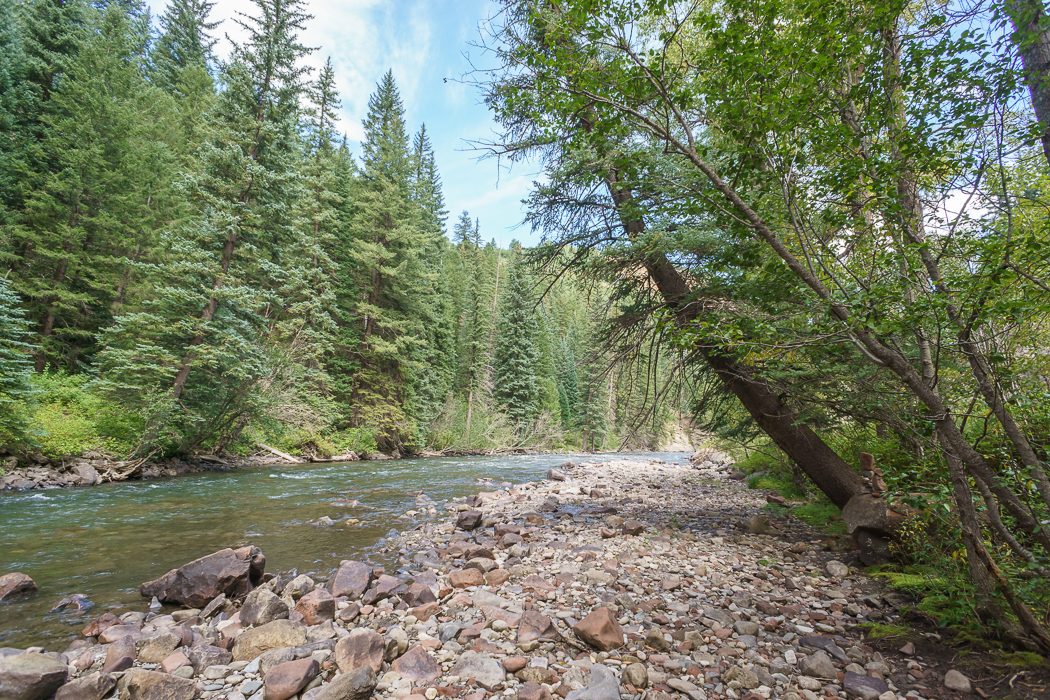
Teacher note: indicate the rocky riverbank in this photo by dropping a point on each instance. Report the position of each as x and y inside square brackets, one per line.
[624, 580]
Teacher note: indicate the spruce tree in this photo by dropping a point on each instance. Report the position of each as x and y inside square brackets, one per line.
[15, 368]
[216, 296]
[517, 387]
[184, 44]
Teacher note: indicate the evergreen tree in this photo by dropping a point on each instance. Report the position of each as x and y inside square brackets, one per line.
[517, 387]
[216, 296]
[15, 367]
[184, 43]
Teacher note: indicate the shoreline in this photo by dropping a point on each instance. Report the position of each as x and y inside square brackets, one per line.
[668, 577]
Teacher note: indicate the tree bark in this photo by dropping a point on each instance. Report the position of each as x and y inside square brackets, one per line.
[831, 474]
[1032, 37]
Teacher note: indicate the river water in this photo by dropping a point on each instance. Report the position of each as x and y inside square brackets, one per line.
[105, 540]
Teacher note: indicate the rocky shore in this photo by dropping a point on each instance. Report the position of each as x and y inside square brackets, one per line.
[623, 580]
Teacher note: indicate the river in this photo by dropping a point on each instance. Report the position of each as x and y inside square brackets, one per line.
[105, 540]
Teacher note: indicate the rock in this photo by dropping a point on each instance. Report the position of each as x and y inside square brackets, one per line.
[864, 686]
[205, 655]
[555, 475]
[632, 527]
[400, 639]
[486, 671]
[91, 687]
[468, 520]
[600, 629]
[298, 587]
[100, 624]
[30, 676]
[316, 607]
[112, 634]
[636, 675]
[285, 680]
[465, 578]
[744, 627]
[537, 674]
[418, 594]
[275, 657]
[654, 639]
[417, 666]
[351, 580]
[262, 606]
[865, 512]
[533, 691]
[273, 635]
[836, 569]
[874, 549]
[231, 572]
[140, 684]
[513, 664]
[84, 474]
[535, 626]
[818, 664]
[748, 679]
[120, 656]
[953, 680]
[156, 646]
[14, 584]
[76, 601]
[173, 662]
[757, 525]
[356, 685]
[603, 686]
[362, 647]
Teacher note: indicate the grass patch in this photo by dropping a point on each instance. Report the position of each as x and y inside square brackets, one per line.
[873, 630]
[823, 516]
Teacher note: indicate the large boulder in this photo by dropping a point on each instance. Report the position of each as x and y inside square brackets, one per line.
[139, 684]
[600, 629]
[14, 584]
[262, 606]
[230, 572]
[273, 635]
[350, 686]
[285, 680]
[91, 687]
[351, 580]
[362, 647]
[316, 607]
[30, 676]
[876, 515]
[156, 646]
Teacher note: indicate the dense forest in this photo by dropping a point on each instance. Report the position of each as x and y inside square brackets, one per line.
[196, 261]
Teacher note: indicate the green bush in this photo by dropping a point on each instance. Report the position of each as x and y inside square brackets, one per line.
[68, 418]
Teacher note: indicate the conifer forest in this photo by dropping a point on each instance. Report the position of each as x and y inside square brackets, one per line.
[810, 231]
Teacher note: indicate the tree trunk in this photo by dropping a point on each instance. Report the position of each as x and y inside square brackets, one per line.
[1032, 37]
[836, 479]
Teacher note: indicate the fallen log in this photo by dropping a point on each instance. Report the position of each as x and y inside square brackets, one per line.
[283, 455]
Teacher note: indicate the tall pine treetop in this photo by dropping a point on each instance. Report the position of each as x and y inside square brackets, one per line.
[385, 149]
[184, 41]
[272, 49]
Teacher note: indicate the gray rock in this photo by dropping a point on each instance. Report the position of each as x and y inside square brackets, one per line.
[836, 569]
[743, 627]
[636, 675]
[757, 525]
[357, 685]
[864, 686]
[603, 686]
[818, 664]
[156, 646]
[953, 680]
[488, 672]
[30, 676]
[205, 655]
[139, 684]
[91, 687]
[262, 606]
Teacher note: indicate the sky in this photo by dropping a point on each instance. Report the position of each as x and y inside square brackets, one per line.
[427, 45]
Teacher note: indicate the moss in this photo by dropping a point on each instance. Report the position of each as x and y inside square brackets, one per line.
[1022, 659]
[873, 630]
[823, 516]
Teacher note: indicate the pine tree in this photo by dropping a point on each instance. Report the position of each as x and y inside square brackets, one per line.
[184, 43]
[106, 189]
[15, 368]
[215, 297]
[517, 387]
[388, 254]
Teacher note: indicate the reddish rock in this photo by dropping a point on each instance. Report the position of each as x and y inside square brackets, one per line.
[492, 613]
[362, 648]
[535, 626]
[285, 680]
[91, 687]
[351, 580]
[120, 656]
[350, 612]
[496, 577]
[417, 666]
[469, 520]
[150, 685]
[513, 664]
[176, 660]
[230, 572]
[382, 589]
[316, 607]
[465, 578]
[14, 584]
[536, 583]
[555, 475]
[116, 632]
[100, 625]
[418, 594]
[533, 691]
[632, 527]
[424, 612]
[600, 629]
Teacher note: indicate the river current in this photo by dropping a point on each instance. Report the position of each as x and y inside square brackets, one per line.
[105, 540]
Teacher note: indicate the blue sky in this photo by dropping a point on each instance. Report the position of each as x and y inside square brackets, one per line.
[424, 42]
